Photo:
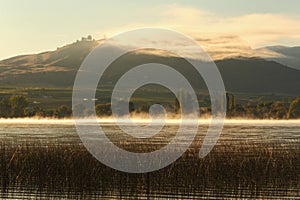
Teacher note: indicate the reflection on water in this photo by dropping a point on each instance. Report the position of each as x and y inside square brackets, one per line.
[209, 193]
[279, 135]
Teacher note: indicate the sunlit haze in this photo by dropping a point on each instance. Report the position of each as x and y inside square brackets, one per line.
[34, 26]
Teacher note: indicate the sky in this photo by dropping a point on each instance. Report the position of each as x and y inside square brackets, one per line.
[34, 26]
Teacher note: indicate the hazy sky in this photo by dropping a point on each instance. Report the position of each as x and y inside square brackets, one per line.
[32, 26]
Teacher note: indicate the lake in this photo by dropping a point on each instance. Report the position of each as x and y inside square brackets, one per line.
[252, 159]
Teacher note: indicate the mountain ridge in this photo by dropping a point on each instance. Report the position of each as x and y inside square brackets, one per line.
[58, 68]
[289, 56]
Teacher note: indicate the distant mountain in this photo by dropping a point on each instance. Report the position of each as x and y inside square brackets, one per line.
[259, 76]
[243, 75]
[289, 56]
[58, 69]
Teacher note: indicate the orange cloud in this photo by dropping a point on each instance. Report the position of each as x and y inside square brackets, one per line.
[256, 29]
[224, 36]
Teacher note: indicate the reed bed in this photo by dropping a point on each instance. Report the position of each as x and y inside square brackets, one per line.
[70, 168]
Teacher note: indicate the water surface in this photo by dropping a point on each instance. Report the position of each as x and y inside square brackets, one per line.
[280, 134]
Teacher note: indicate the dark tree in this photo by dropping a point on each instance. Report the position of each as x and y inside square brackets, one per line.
[18, 105]
[5, 108]
[278, 111]
[176, 105]
[294, 111]
[63, 111]
[103, 109]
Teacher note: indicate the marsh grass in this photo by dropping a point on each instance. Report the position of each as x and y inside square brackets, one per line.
[236, 169]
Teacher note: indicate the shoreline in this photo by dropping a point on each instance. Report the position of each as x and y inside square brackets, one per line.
[110, 120]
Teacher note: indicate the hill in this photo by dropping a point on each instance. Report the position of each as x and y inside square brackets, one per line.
[58, 69]
[48, 69]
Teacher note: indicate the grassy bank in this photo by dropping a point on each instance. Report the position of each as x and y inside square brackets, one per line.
[227, 168]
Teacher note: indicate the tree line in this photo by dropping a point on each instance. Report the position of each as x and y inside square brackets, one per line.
[263, 109]
[267, 110]
[259, 110]
[20, 106]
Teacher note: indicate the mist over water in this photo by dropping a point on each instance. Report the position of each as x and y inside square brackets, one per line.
[147, 120]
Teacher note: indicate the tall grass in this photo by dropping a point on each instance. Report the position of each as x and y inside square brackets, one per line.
[230, 168]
